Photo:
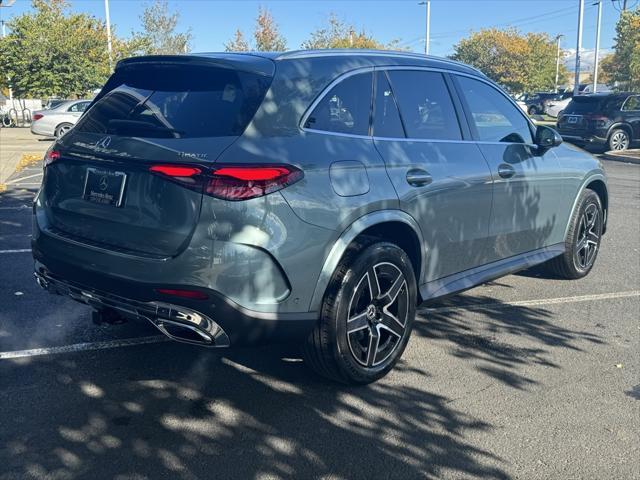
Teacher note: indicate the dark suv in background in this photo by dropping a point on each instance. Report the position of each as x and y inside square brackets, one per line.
[609, 119]
[536, 102]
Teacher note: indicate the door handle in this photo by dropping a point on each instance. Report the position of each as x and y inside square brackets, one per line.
[416, 177]
[506, 171]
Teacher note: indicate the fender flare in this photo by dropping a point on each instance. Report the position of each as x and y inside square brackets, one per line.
[620, 125]
[583, 187]
[345, 239]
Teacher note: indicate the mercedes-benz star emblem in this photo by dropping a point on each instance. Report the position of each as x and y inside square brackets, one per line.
[104, 183]
[103, 142]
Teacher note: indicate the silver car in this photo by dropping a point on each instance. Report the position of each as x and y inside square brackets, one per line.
[58, 120]
[312, 196]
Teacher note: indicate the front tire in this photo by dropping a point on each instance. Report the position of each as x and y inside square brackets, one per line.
[366, 316]
[583, 239]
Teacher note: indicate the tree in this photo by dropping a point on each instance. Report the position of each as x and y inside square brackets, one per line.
[520, 63]
[339, 34]
[159, 36]
[625, 65]
[266, 34]
[52, 52]
[238, 43]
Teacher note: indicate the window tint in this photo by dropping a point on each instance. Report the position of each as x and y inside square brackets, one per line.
[386, 119]
[346, 108]
[632, 103]
[425, 105]
[79, 107]
[168, 101]
[494, 117]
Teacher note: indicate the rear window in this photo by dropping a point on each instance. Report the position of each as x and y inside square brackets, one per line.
[170, 101]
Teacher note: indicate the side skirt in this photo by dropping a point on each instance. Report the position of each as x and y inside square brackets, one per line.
[476, 276]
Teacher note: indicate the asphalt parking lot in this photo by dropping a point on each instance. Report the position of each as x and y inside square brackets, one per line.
[527, 377]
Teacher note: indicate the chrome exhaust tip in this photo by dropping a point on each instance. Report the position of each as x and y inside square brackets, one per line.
[191, 327]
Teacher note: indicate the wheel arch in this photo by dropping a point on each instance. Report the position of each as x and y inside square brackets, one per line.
[621, 126]
[598, 184]
[394, 226]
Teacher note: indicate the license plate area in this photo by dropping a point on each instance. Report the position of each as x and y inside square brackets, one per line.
[105, 187]
[572, 120]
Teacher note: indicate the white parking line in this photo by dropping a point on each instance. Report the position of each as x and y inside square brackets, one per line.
[128, 342]
[83, 347]
[16, 180]
[18, 250]
[537, 303]
[21, 207]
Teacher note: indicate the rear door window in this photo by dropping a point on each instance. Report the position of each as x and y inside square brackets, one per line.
[79, 107]
[425, 105]
[346, 108]
[632, 103]
[171, 101]
[386, 118]
[494, 118]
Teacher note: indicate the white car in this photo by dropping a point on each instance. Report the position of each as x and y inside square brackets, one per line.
[555, 107]
[58, 120]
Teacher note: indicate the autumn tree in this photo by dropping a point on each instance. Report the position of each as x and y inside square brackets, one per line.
[266, 34]
[338, 34]
[50, 51]
[521, 63]
[238, 43]
[625, 64]
[159, 34]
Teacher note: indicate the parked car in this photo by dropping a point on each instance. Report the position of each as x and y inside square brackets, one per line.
[58, 120]
[535, 102]
[554, 108]
[311, 196]
[611, 120]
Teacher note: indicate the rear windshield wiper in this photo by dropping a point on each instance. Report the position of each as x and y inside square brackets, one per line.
[124, 127]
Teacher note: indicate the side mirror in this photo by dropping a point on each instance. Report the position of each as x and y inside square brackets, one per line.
[547, 137]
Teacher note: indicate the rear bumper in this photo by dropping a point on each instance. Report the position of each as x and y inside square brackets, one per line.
[37, 129]
[583, 139]
[216, 322]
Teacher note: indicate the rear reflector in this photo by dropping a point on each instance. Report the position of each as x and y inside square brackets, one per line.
[37, 116]
[190, 294]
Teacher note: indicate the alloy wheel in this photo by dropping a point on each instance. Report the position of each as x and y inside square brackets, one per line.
[619, 141]
[588, 237]
[377, 315]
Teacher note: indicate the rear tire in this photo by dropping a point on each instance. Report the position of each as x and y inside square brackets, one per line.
[619, 140]
[62, 129]
[583, 239]
[366, 316]
[533, 110]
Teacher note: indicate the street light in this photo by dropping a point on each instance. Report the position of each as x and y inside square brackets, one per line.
[558, 37]
[7, 3]
[595, 63]
[428, 26]
[106, 10]
[576, 85]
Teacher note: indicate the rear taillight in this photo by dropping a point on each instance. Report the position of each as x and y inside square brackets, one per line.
[598, 120]
[36, 116]
[50, 157]
[232, 182]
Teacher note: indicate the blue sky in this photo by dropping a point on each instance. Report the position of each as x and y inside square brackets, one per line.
[213, 22]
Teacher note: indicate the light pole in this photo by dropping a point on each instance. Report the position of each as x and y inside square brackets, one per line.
[7, 3]
[427, 26]
[558, 37]
[595, 63]
[576, 86]
[106, 10]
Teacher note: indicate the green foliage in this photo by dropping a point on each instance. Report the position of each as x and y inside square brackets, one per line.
[266, 35]
[159, 36]
[51, 51]
[339, 34]
[625, 64]
[521, 63]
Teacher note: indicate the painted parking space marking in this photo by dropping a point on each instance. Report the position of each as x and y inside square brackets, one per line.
[128, 342]
[17, 180]
[16, 250]
[537, 303]
[83, 347]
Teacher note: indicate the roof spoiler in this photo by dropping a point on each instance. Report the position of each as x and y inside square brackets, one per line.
[246, 63]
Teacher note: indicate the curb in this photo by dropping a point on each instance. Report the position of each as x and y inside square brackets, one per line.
[620, 157]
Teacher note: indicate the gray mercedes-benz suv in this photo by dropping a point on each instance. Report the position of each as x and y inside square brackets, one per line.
[312, 196]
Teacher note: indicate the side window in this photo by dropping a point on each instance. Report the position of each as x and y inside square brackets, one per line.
[386, 119]
[632, 103]
[346, 108]
[425, 105]
[494, 117]
[78, 107]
